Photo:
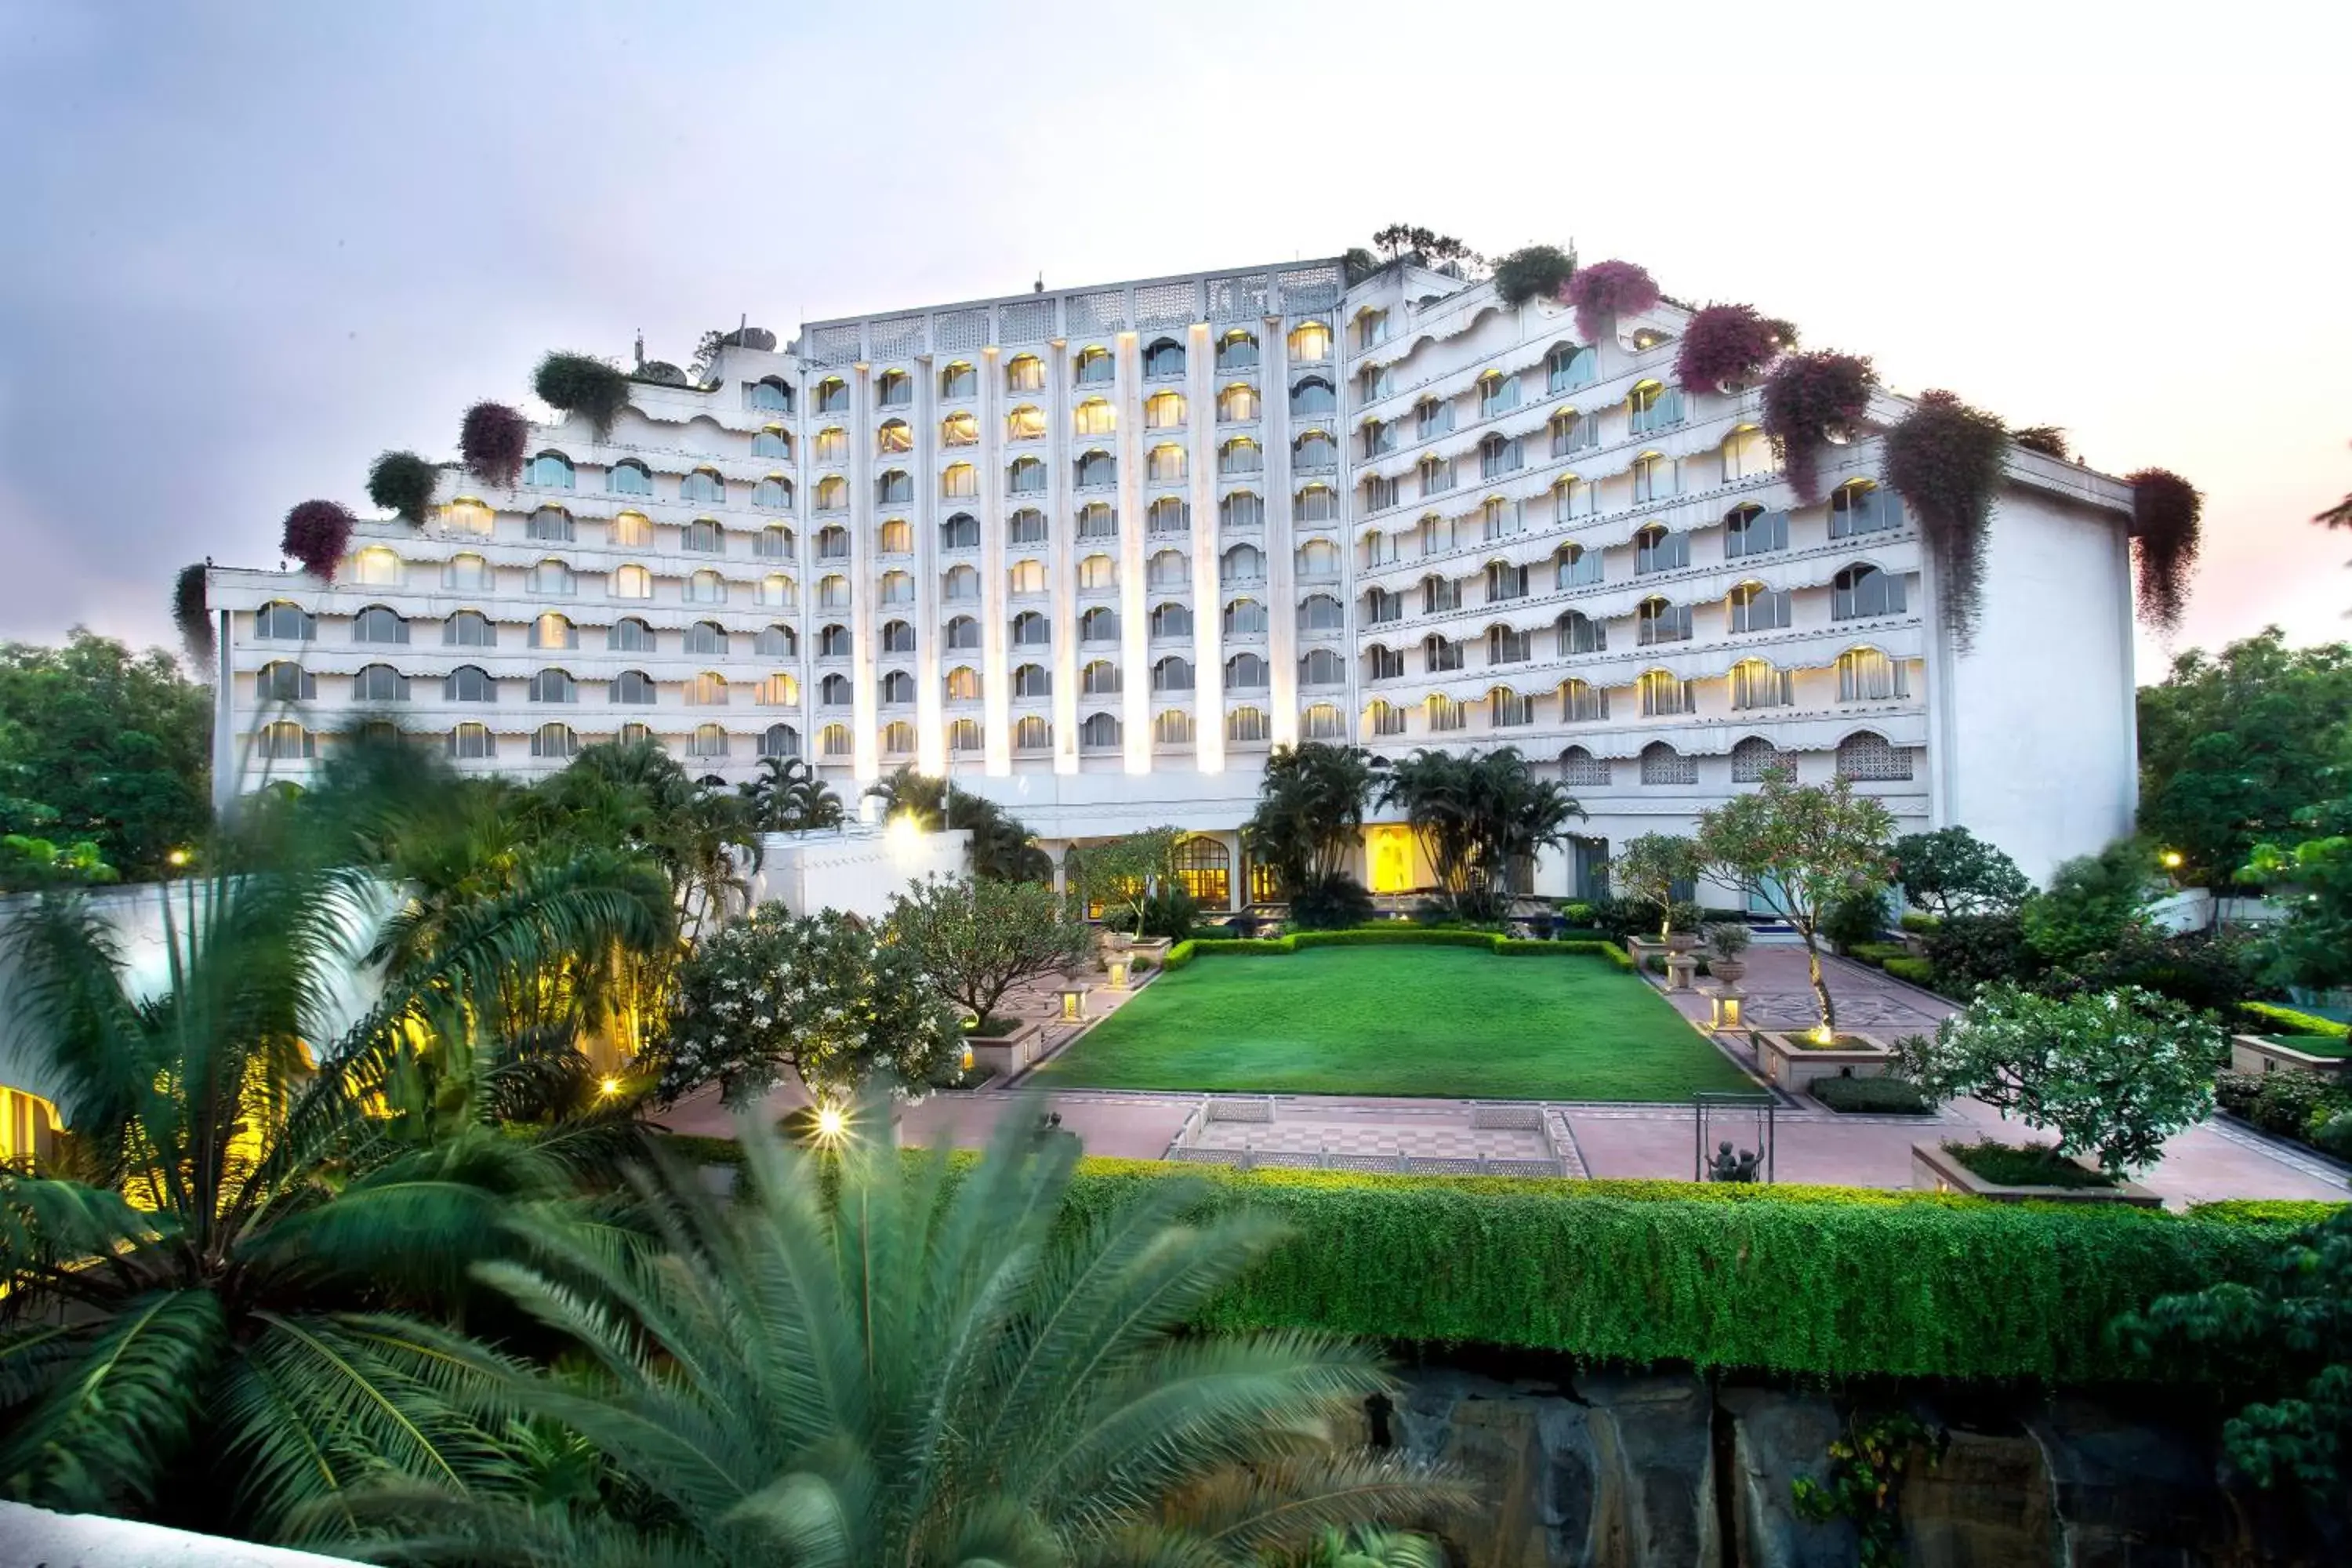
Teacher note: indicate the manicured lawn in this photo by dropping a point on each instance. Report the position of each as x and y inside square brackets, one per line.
[1429, 1021]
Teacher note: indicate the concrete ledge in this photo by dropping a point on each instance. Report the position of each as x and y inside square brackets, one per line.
[1934, 1170]
[1789, 1062]
[2251, 1053]
[1005, 1055]
[36, 1537]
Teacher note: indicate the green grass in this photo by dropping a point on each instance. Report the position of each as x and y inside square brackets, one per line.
[2312, 1045]
[1443, 1022]
[2024, 1165]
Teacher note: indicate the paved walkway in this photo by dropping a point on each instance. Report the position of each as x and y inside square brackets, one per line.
[2216, 1160]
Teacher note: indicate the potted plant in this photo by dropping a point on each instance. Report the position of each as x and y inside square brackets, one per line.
[1606, 291]
[1681, 926]
[2167, 513]
[1810, 400]
[1726, 346]
[316, 533]
[1725, 940]
[491, 439]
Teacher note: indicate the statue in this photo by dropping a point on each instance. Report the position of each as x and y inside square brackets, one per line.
[1732, 1166]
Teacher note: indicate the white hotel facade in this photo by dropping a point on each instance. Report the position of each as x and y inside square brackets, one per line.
[1095, 552]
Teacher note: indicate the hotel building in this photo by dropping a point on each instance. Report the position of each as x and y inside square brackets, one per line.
[1095, 552]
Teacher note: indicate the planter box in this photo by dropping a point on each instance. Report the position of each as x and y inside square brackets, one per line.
[1789, 1064]
[2251, 1053]
[1934, 1170]
[1642, 949]
[1005, 1055]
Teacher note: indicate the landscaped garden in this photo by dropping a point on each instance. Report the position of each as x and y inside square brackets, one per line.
[1446, 1022]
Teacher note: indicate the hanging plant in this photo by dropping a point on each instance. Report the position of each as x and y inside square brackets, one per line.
[1605, 290]
[584, 386]
[2047, 439]
[192, 613]
[2167, 512]
[1533, 271]
[1807, 399]
[1728, 344]
[491, 440]
[1946, 457]
[316, 534]
[401, 483]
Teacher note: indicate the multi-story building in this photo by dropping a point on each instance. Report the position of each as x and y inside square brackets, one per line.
[1095, 552]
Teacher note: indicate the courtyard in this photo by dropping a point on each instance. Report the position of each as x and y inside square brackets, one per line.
[1436, 1022]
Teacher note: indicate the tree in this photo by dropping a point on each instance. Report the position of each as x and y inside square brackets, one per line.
[1798, 849]
[820, 996]
[203, 1301]
[115, 747]
[787, 796]
[2285, 1335]
[1309, 825]
[1951, 871]
[1400, 241]
[1649, 867]
[2313, 946]
[2114, 1075]
[977, 938]
[1478, 818]
[890, 1363]
[1121, 873]
[2092, 903]
[2233, 746]
[1001, 845]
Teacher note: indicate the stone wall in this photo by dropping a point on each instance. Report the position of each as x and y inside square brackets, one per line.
[1630, 1470]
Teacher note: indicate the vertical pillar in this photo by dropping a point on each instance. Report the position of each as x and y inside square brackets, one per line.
[996, 669]
[930, 732]
[1062, 519]
[1281, 592]
[1135, 682]
[1208, 655]
[865, 740]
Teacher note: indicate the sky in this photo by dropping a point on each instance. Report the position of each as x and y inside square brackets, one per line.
[247, 246]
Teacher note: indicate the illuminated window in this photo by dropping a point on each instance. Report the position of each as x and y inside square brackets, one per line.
[1172, 727]
[962, 684]
[708, 741]
[1024, 373]
[707, 690]
[1653, 477]
[1240, 456]
[1582, 703]
[1386, 719]
[467, 573]
[1025, 424]
[636, 734]
[1027, 577]
[892, 436]
[1094, 417]
[1866, 675]
[963, 736]
[1164, 464]
[1164, 411]
[553, 631]
[1756, 684]
[777, 590]
[1664, 694]
[1095, 572]
[833, 493]
[466, 517]
[631, 583]
[1442, 713]
[1310, 341]
[1032, 734]
[1238, 404]
[779, 690]
[895, 536]
[960, 429]
[472, 743]
[554, 740]
[285, 741]
[1748, 455]
[833, 445]
[832, 741]
[632, 530]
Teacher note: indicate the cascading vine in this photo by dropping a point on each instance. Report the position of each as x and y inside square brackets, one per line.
[1806, 398]
[583, 385]
[491, 441]
[1722, 344]
[1945, 459]
[192, 613]
[316, 534]
[1605, 290]
[401, 483]
[1533, 271]
[2168, 514]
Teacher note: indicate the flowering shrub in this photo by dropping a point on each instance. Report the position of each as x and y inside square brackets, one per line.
[1946, 457]
[1533, 271]
[401, 483]
[491, 440]
[1606, 290]
[821, 997]
[586, 386]
[2050, 441]
[1729, 343]
[2167, 513]
[2113, 1074]
[192, 615]
[1805, 398]
[316, 534]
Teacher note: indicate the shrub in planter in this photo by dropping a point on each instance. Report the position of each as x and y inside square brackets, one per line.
[1880, 1096]
[1856, 920]
[491, 439]
[1533, 271]
[1726, 939]
[401, 483]
[1917, 971]
[2334, 1136]
[2167, 513]
[2236, 1091]
[661, 372]
[1945, 459]
[1330, 903]
[583, 385]
[1966, 950]
[194, 615]
[2047, 439]
[1606, 291]
[1807, 399]
[316, 534]
[2291, 1102]
[1727, 344]
[1171, 912]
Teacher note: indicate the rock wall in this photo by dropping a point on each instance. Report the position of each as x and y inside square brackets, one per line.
[1627, 1470]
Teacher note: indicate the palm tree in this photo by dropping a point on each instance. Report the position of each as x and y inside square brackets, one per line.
[1308, 824]
[789, 797]
[923, 1368]
[1002, 847]
[201, 1305]
[1477, 816]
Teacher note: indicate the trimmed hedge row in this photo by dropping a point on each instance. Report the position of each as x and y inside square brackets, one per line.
[1917, 971]
[2288, 1021]
[1185, 952]
[1826, 1281]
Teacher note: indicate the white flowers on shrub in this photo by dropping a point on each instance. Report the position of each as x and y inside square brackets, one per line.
[775, 993]
[2113, 1075]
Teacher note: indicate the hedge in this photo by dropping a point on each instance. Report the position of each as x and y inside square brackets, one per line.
[1185, 952]
[1917, 971]
[2287, 1020]
[1798, 1280]
[2267, 1211]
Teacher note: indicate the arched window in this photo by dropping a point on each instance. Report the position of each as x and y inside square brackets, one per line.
[467, 516]
[1241, 563]
[1321, 613]
[1095, 468]
[1170, 621]
[1498, 394]
[1247, 672]
[1580, 633]
[706, 636]
[833, 493]
[1657, 550]
[1310, 341]
[1246, 617]
[549, 470]
[631, 530]
[1031, 680]
[960, 429]
[633, 733]
[894, 389]
[1099, 732]
[1099, 677]
[469, 628]
[1031, 629]
[1322, 667]
[1652, 406]
[1031, 733]
[378, 623]
[960, 531]
[832, 741]
[376, 567]
[1024, 373]
[1579, 767]
[1027, 526]
[835, 691]
[1313, 394]
[1172, 674]
[1027, 576]
[1756, 684]
[771, 393]
[279, 621]
[898, 636]
[779, 740]
[284, 740]
[898, 588]
[472, 743]
[470, 683]
[626, 477]
[1863, 589]
[553, 631]
[962, 632]
[833, 395]
[702, 485]
[774, 493]
[1094, 367]
[1657, 621]
[1168, 516]
[1164, 359]
[833, 641]
[1859, 506]
[1752, 530]
[467, 573]
[1240, 456]
[1098, 625]
[707, 690]
[1026, 476]
[1238, 404]
[1664, 694]
[1172, 727]
[963, 736]
[1314, 449]
[832, 445]
[631, 583]
[1505, 645]
[1164, 411]
[1507, 710]
[1753, 608]
[959, 379]
[706, 588]
[833, 592]
[1237, 350]
[960, 583]
[282, 682]
[898, 690]
[1384, 663]
[1167, 569]
[1322, 722]
[554, 686]
[1866, 755]
[708, 741]
[374, 683]
[777, 590]
[1498, 456]
[1573, 432]
[962, 684]
[1661, 764]
[1748, 455]
[1866, 675]
[550, 578]
[833, 543]
[554, 739]
[777, 642]
[1095, 416]
[1442, 713]
[778, 690]
[1505, 581]
[1241, 511]
[1573, 567]
[1653, 477]
[1751, 759]
[1164, 464]
[1097, 574]
[895, 486]
[1439, 655]
[773, 441]
[1580, 702]
[1025, 422]
[1314, 503]
[1385, 719]
[1318, 558]
[1246, 727]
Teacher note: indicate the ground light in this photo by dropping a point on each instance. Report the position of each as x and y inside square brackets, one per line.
[609, 1087]
[831, 1124]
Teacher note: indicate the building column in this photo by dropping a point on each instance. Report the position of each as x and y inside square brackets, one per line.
[1281, 591]
[1135, 675]
[1061, 521]
[1208, 669]
[930, 725]
[996, 669]
[865, 750]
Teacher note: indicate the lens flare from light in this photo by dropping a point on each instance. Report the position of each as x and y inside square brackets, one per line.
[832, 1124]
